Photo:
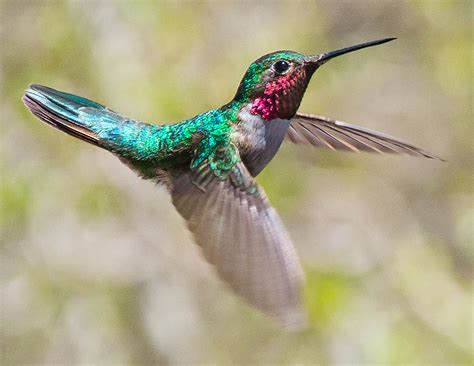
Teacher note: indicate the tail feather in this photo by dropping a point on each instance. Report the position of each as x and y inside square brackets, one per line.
[92, 122]
[68, 101]
[62, 121]
[62, 111]
[81, 117]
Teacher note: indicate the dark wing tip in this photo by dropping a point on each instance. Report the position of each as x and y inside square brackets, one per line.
[431, 156]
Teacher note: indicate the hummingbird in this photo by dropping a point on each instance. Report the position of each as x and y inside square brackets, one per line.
[209, 163]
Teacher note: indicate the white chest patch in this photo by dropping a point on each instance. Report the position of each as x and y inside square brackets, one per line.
[251, 131]
[258, 140]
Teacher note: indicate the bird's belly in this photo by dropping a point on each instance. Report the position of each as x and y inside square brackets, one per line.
[261, 140]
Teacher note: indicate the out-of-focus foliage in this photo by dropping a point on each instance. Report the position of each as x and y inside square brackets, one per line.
[98, 268]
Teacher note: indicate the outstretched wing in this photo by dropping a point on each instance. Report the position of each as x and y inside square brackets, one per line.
[336, 135]
[241, 234]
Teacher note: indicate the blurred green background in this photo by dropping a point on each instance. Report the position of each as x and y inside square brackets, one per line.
[98, 268]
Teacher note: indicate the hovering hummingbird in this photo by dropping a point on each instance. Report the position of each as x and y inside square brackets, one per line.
[208, 164]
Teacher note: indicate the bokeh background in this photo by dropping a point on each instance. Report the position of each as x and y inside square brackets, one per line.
[98, 268]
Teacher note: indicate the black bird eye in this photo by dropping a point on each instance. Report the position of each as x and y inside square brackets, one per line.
[280, 67]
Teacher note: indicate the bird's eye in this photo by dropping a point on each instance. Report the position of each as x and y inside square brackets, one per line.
[281, 67]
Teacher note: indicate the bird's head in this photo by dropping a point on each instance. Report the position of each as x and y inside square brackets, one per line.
[276, 82]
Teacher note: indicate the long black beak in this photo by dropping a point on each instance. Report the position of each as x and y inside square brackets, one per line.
[324, 57]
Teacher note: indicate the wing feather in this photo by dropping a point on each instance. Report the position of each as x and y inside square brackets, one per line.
[243, 237]
[325, 132]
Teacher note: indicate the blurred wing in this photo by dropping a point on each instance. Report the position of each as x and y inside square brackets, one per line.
[336, 135]
[241, 234]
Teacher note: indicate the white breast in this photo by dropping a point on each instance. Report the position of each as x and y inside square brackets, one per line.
[258, 140]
